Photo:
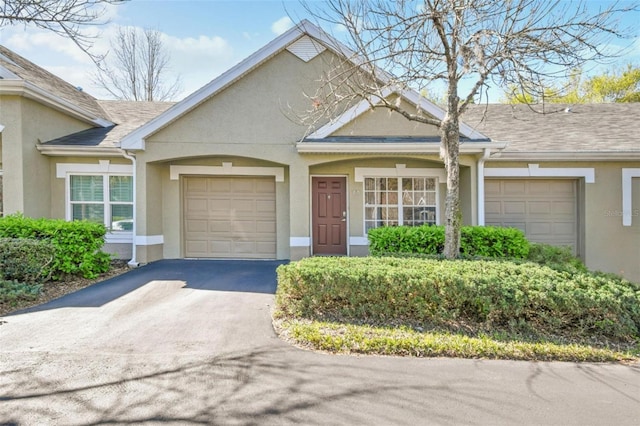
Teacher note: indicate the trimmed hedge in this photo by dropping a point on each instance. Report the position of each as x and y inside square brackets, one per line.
[78, 244]
[25, 260]
[475, 241]
[481, 295]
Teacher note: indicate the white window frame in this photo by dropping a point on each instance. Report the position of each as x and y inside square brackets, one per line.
[104, 169]
[400, 204]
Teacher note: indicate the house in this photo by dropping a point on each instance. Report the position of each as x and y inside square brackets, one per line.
[228, 173]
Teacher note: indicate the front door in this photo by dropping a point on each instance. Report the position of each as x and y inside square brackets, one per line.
[329, 220]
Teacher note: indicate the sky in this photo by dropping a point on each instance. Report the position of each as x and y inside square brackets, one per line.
[203, 37]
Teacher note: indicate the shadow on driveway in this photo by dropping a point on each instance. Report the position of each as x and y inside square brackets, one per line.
[249, 276]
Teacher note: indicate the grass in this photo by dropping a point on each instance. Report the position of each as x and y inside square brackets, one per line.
[347, 338]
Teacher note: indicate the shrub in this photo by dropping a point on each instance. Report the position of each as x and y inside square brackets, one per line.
[13, 291]
[77, 244]
[558, 258]
[482, 295]
[25, 260]
[475, 241]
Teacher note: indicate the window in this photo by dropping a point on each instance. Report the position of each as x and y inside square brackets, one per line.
[104, 199]
[391, 201]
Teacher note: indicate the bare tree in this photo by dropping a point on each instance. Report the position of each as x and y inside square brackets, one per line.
[481, 42]
[138, 67]
[64, 17]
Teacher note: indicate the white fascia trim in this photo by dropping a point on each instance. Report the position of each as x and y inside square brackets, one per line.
[300, 242]
[366, 105]
[103, 166]
[149, 240]
[74, 151]
[358, 241]
[566, 156]
[136, 139]
[227, 169]
[627, 195]
[31, 91]
[399, 171]
[390, 148]
[535, 171]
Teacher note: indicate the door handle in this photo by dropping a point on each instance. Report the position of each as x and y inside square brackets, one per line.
[344, 216]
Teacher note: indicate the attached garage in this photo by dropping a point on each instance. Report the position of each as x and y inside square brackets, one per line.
[545, 209]
[229, 217]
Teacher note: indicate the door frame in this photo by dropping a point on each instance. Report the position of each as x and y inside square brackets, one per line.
[346, 190]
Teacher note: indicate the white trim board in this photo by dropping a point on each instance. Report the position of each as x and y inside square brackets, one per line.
[103, 166]
[400, 170]
[149, 240]
[358, 241]
[535, 171]
[227, 169]
[627, 194]
[300, 242]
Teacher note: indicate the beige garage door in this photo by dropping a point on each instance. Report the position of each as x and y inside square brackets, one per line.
[230, 217]
[546, 209]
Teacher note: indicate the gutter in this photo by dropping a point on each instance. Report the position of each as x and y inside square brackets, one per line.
[480, 169]
[131, 157]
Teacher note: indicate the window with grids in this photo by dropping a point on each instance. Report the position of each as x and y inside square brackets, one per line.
[391, 201]
[103, 199]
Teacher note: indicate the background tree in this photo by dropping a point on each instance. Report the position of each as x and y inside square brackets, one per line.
[64, 17]
[137, 68]
[614, 85]
[510, 42]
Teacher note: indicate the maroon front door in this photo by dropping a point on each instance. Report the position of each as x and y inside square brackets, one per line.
[329, 220]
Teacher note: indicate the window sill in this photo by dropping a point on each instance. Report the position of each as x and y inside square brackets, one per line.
[119, 238]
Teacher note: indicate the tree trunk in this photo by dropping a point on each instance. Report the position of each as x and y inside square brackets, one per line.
[450, 152]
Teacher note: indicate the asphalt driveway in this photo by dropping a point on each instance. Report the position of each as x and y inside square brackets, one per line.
[190, 342]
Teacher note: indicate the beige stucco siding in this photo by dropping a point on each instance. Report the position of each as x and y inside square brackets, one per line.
[606, 244]
[383, 122]
[25, 170]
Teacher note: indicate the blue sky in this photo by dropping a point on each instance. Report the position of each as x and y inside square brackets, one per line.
[204, 37]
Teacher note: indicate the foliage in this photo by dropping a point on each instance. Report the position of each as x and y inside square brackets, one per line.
[25, 260]
[526, 298]
[77, 244]
[614, 85]
[558, 258]
[475, 241]
[406, 341]
[12, 292]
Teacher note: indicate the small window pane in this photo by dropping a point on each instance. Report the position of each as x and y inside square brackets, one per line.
[393, 184]
[122, 217]
[121, 188]
[90, 212]
[369, 184]
[87, 188]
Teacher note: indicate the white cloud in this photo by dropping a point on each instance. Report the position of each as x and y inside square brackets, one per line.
[281, 25]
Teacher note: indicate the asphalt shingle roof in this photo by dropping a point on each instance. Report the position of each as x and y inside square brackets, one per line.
[562, 128]
[128, 116]
[28, 71]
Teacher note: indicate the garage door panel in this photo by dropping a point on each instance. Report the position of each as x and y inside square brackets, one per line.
[544, 209]
[234, 216]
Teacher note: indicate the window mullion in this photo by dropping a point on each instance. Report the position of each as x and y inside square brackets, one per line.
[107, 201]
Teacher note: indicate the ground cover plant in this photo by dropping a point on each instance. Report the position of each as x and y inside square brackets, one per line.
[467, 308]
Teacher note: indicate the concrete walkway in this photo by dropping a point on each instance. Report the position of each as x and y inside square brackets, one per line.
[190, 342]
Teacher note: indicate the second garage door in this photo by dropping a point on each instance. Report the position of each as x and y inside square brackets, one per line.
[545, 209]
[229, 217]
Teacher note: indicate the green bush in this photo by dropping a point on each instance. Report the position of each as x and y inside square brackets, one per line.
[25, 260]
[558, 258]
[475, 241]
[78, 244]
[13, 291]
[480, 295]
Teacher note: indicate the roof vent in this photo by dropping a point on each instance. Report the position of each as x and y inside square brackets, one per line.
[306, 48]
[567, 109]
[79, 89]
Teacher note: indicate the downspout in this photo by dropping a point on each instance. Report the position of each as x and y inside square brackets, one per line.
[480, 168]
[130, 156]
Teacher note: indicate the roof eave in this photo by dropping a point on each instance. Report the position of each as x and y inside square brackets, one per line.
[31, 91]
[391, 148]
[567, 156]
[79, 151]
